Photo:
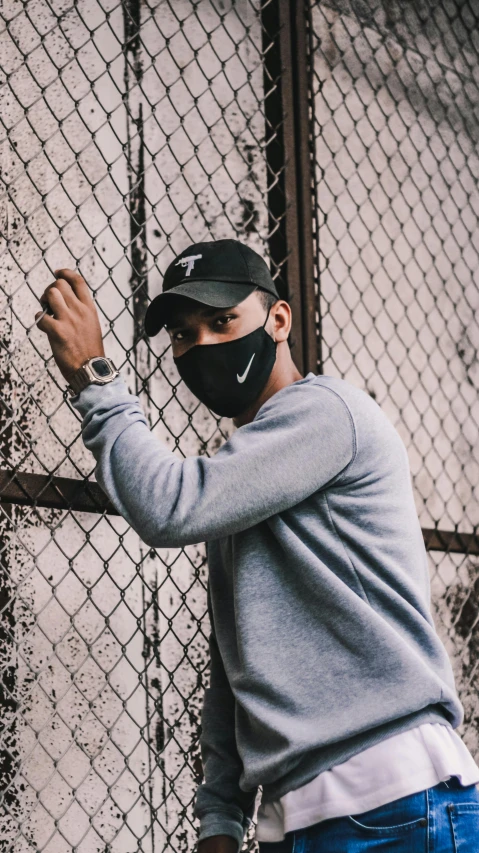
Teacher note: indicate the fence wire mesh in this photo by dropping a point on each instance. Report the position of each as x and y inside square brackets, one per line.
[395, 92]
[130, 130]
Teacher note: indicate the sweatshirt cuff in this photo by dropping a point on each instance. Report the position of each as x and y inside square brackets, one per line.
[109, 394]
[221, 823]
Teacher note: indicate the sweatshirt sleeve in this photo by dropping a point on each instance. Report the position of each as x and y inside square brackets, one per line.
[300, 439]
[222, 807]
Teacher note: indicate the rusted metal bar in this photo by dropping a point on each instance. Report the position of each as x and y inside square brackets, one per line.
[273, 84]
[292, 194]
[290, 168]
[449, 540]
[132, 77]
[43, 490]
[304, 160]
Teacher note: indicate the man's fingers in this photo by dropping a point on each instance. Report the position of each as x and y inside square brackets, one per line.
[66, 291]
[45, 306]
[46, 324]
[77, 283]
[54, 298]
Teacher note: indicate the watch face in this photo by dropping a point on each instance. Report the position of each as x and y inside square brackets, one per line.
[101, 368]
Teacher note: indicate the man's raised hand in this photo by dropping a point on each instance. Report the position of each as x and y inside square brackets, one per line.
[73, 328]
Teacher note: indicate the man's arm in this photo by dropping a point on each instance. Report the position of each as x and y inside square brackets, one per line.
[225, 811]
[300, 439]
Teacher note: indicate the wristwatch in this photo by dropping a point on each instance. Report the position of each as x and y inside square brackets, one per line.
[95, 371]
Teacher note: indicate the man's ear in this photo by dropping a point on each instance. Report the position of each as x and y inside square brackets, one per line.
[285, 316]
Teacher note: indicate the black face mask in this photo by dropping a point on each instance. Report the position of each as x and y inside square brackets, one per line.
[228, 377]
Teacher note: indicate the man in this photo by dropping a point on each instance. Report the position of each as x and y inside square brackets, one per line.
[330, 687]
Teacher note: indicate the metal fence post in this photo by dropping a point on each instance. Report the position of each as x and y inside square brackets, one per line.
[289, 151]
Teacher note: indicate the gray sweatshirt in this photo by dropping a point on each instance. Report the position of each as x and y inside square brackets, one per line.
[322, 641]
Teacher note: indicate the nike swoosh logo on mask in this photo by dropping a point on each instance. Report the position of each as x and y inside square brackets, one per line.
[243, 377]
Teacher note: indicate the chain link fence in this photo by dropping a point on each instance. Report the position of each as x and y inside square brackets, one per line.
[129, 131]
[395, 92]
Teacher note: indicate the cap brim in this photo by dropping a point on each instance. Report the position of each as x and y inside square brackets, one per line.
[217, 294]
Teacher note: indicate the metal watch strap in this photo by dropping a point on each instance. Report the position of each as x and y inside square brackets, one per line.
[82, 377]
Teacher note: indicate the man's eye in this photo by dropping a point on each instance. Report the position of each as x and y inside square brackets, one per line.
[175, 336]
[178, 336]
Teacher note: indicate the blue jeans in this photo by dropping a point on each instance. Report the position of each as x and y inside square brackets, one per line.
[442, 819]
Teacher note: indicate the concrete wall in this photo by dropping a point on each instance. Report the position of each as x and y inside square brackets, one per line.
[105, 655]
[397, 125]
[104, 641]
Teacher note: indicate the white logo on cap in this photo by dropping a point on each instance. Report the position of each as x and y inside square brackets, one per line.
[188, 262]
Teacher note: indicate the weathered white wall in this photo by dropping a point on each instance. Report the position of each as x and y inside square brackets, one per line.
[396, 97]
[112, 637]
[99, 621]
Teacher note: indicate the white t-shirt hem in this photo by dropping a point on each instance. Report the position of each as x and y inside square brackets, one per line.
[437, 745]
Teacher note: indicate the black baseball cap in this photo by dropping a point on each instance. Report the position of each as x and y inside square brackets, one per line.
[220, 273]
